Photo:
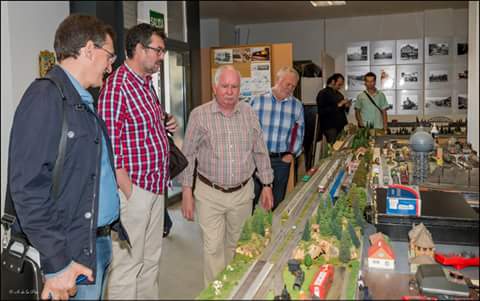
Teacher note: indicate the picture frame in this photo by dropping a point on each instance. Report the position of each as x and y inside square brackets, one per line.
[460, 101]
[409, 52]
[354, 78]
[386, 76]
[460, 76]
[46, 61]
[438, 50]
[391, 97]
[409, 102]
[438, 102]
[383, 52]
[410, 77]
[460, 50]
[438, 76]
[357, 54]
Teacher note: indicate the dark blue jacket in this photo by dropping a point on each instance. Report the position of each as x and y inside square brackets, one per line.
[65, 229]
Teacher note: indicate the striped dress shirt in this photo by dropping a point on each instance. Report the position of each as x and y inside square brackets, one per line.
[131, 110]
[278, 119]
[227, 148]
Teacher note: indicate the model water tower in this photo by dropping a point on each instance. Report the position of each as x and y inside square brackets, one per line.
[421, 143]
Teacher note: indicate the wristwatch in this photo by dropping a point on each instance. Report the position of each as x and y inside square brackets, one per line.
[268, 185]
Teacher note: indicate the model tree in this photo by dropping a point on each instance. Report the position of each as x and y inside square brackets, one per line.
[246, 231]
[306, 232]
[258, 222]
[345, 248]
[353, 236]
[335, 225]
[308, 261]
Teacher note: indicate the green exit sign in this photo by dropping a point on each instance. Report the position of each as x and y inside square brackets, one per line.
[157, 19]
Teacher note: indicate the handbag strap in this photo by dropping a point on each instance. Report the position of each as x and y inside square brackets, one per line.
[373, 102]
[9, 216]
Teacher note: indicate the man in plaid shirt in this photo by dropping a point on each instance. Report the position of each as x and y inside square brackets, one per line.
[225, 138]
[135, 120]
[281, 117]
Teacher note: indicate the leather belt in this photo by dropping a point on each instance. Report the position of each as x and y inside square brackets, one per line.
[215, 186]
[104, 230]
[278, 155]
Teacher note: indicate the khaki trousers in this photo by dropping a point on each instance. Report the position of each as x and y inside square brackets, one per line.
[134, 271]
[221, 217]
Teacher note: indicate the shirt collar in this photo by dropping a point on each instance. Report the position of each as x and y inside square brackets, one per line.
[84, 94]
[281, 100]
[216, 109]
[144, 82]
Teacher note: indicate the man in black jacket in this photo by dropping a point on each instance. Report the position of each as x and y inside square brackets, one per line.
[332, 108]
[71, 232]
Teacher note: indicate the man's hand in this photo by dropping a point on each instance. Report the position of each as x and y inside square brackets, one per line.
[287, 158]
[171, 124]
[266, 198]
[344, 102]
[63, 286]
[188, 204]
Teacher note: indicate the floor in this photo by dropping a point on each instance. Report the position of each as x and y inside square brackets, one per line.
[181, 264]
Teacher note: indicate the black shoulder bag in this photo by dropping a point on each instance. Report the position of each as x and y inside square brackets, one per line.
[22, 277]
[373, 102]
[177, 160]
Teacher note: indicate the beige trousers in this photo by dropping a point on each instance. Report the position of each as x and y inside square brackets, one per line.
[133, 272]
[221, 217]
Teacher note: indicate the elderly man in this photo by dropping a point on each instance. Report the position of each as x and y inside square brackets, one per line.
[135, 120]
[225, 138]
[282, 121]
[71, 229]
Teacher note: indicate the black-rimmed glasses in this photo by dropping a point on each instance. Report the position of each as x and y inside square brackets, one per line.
[111, 56]
[158, 50]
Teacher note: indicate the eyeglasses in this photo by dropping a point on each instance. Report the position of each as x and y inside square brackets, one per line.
[111, 56]
[158, 50]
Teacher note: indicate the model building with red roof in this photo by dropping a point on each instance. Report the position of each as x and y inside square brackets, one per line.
[380, 253]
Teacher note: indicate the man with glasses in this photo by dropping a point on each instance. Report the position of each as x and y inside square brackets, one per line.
[135, 120]
[70, 230]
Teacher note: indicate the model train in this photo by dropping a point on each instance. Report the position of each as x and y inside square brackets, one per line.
[328, 176]
[322, 281]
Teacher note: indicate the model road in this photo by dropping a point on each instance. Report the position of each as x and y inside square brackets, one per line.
[260, 279]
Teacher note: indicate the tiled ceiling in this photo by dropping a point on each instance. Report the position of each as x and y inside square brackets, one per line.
[250, 12]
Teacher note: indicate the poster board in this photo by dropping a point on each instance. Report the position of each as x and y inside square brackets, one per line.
[254, 62]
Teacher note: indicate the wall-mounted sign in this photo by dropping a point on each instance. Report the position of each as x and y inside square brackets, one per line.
[157, 19]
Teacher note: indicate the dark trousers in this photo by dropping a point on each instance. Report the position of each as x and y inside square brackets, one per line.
[331, 134]
[281, 171]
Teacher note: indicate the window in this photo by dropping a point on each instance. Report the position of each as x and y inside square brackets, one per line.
[176, 20]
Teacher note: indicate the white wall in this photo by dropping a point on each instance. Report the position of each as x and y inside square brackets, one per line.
[27, 28]
[215, 32]
[473, 76]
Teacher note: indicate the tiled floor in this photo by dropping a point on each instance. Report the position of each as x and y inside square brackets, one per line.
[181, 264]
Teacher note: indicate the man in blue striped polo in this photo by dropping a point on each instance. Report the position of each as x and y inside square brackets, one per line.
[281, 117]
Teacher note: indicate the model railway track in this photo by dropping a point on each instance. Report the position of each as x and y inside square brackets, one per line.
[260, 277]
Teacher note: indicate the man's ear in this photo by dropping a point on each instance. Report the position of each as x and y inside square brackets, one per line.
[88, 49]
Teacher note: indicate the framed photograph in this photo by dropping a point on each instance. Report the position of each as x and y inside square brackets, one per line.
[460, 76]
[409, 102]
[410, 77]
[438, 76]
[354, 78]
[409, 52]
[357, 54]
[460, 101]
[383, 53]
[438, 102]
[385, 76]
[438, 50]
[223, 56]
[391, 98]
[46, 61]
[460, 50]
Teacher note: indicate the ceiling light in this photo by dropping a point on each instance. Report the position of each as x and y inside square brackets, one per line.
[327, 3]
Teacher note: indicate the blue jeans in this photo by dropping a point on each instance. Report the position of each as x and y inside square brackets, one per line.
[281, 171]
[104, 256]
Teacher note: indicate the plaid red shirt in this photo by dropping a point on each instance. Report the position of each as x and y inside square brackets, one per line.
[132, 113]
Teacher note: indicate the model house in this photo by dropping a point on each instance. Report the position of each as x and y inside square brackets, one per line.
[380, 253]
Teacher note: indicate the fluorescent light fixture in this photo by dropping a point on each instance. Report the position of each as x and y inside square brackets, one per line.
[327, 3]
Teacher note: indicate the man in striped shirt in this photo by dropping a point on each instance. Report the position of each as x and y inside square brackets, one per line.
[281, 117]
[225, 138]
[132, 112]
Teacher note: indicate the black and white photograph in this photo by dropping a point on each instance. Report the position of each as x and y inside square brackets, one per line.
[460, 49]
[438, 101]
[383, 52]
[460, 76]
[437, 76]
[437, 50]
[410, 77]
[409, 51]
[385, 76]
[354, 78]
[391, 96]
[223, 56]
[357, 54]
[462, 103]
[409, 102]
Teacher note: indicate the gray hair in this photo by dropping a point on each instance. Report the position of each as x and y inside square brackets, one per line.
[221, 69]
[284, 70]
